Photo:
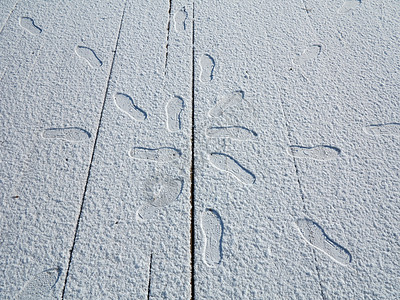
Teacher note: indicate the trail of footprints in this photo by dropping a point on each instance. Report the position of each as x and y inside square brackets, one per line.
[39, 286]
[86, 53]
[171, 187]
[211, 221]
[70, 134]
[310, 231]
[222, 161]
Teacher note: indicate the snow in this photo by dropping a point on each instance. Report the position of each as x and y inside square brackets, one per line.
[199, 150]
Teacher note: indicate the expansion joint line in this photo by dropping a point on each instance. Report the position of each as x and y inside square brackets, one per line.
[149, 285]
[9, 15]
[308, 10]
[168, 30]
[192, 173]
[93, 150]
[301, 191]
[319, 275]
[291, 142]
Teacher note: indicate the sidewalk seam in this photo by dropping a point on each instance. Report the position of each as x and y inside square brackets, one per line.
[91, 159]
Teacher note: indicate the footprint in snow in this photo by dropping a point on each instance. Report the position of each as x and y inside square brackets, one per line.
[212, 227]
[89, 56]
[125, 104]
[314, 235]
[207, 65]
[321, 153]
[40, 285]
[70, 134]
[383, 129]
[158, 155]
[29, 25]
[170, 190]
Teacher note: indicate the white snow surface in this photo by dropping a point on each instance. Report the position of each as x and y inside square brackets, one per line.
[199, 149]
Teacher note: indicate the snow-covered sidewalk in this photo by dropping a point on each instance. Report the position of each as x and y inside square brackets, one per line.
[199, 149]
